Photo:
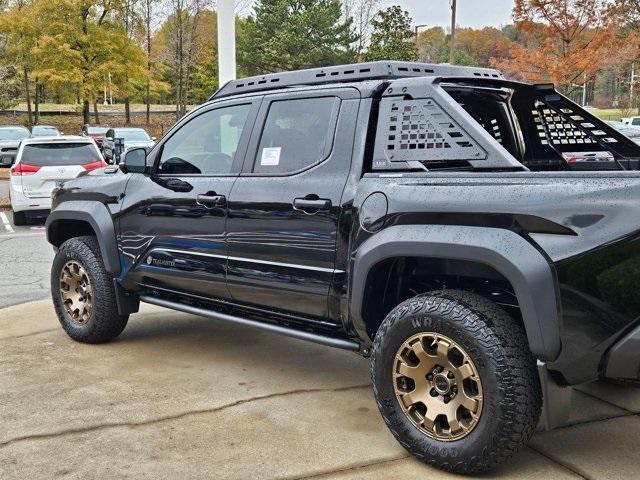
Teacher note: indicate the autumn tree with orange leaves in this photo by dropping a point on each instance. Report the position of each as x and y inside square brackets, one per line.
[564, 41]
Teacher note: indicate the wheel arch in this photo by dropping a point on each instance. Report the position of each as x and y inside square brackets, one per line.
[78, 218]
[512, 257]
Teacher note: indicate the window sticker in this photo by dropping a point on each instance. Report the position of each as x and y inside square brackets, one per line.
[270, 156]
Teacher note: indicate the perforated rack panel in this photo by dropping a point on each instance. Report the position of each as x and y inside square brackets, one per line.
[350, 73]
[420, 130]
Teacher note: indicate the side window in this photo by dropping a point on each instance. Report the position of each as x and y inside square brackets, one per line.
[297, 134]
[206, 144]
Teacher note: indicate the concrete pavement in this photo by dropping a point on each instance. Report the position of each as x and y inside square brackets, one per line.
[177, 396]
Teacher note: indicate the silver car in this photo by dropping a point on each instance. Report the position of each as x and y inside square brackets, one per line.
[10, 138]
[129, 137]
[631, 131]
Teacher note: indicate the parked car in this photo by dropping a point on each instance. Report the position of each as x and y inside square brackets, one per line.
[96, 132]
[10, 138]
[41, 165]
[44, 131]
[131, 137]
[632, 121]
[631, 131]
[474, 236]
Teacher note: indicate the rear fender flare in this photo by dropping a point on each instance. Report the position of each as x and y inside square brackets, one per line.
[531, 275]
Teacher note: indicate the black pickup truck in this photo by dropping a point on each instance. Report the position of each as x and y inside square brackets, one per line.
[476, 237]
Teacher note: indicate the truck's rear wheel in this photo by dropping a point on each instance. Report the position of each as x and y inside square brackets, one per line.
[83, 293]
[455, 381]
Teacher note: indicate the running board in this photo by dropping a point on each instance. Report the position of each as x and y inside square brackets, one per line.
[203, 312]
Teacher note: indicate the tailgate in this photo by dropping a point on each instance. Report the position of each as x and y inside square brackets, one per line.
[42, 182]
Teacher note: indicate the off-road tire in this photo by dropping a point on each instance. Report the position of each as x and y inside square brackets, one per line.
[20, 219]
[104, 323]
[497, 345]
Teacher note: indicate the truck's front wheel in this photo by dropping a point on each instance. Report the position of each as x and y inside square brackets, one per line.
[83, 293]
[455, 381]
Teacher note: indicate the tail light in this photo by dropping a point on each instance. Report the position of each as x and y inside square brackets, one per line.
[579, 157]
[94, 165]
[24, 169]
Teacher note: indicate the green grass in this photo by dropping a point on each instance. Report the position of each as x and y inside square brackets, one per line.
[613, 113]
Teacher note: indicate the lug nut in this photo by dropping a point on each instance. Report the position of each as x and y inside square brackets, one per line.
[433, 392]
[446, 399]
[450, 375]
[430, 376]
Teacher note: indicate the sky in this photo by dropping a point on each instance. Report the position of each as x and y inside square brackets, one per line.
[471, 13]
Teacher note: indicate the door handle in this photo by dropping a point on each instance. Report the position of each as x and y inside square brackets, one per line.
[312, 205]
[211, 200]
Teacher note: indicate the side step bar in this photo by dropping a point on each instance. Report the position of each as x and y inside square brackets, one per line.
[203, 312]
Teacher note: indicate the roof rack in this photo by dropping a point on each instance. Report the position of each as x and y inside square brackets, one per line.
[356, 72]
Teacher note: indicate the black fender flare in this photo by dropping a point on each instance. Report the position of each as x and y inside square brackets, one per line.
[530, 273]
[98, 216]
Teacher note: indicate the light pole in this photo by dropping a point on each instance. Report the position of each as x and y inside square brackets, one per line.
[417, 28]
[452, 47]
[226, 41]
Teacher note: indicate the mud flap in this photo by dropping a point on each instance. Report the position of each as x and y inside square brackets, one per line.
[127, 302]
[556, 401]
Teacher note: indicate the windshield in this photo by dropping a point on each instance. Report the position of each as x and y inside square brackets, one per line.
[44, 131]
[133, 135]
[13, 133]
[97, 130]
[58, 154]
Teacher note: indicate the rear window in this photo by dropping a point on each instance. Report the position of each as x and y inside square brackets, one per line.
[297, 133]
[133, 135]
[46, 155]
[44, 131]
[13, 133]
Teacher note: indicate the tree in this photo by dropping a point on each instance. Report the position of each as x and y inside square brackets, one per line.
[362, 13]
[181, 45]
[563, 41]
[19, 29]
[481, 45]
[147, 13]
[432, 45]
[392, 37]
[10, 87]
[294, 34]
[80, 42]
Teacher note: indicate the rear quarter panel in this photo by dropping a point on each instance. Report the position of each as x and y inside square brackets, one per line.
[586, 224]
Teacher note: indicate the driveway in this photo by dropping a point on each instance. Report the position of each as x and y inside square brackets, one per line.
[177, 396]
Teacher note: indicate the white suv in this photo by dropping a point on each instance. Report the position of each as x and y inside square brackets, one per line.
[41, 165]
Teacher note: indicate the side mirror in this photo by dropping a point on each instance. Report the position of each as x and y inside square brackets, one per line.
[135, 161]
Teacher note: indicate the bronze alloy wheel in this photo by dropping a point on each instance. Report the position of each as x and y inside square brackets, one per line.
[437, 386]
[76, 292]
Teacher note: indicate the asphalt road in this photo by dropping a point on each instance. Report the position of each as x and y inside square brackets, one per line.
[4, 188]
[25, 259]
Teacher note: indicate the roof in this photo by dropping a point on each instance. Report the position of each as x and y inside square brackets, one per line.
[382, 70]
[14, 126]
[58, 139]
